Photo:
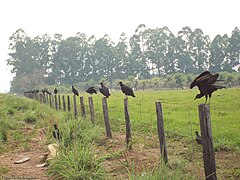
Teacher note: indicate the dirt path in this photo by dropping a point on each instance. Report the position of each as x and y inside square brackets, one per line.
[143, 157]
[27, 170]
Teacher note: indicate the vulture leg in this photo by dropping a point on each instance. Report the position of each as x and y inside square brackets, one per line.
[210, 95]
[206, 96]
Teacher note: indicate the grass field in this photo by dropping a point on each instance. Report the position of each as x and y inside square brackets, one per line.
[82, 139]
[180, 113]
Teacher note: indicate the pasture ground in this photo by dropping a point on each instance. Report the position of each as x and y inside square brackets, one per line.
[180, 118]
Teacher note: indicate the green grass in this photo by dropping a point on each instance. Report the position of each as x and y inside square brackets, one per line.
[76, 162]
[78, 152]
[164, 172]
[180, 113]
[16, 114]
[78, 137]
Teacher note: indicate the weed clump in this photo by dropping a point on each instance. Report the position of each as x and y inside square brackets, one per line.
[77, 162]
[30, 118]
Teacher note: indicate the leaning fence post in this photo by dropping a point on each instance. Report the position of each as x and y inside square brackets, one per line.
[59, 102]
[82, 107]
[64, 103]
[68, 102]
[207, 143]
[106, 119]
[75, 106]
[56, 103]
[91, 107]
[161, 133]
[128, 126]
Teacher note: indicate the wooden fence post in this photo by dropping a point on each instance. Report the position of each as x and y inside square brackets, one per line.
[128, 126]
[91, 107]
[161, 133]
[50, 101]
[41, 98]
[207, 144]
[64, 103]
[56, 102]
[47, 98]
[83, 112]
[59, 102]
[44, 98]
[36, 96]
[68, 102]
[75, 106]
[52, 97]
[106, 119]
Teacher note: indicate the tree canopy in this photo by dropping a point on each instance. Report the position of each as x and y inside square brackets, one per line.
[148, 53]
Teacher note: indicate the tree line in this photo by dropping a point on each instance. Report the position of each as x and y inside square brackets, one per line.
[45, 60]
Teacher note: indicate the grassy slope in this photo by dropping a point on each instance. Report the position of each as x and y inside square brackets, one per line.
[18, 113]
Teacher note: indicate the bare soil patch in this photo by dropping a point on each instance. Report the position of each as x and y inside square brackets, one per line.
[27, 170]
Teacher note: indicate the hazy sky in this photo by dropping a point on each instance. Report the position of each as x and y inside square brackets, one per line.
[111, 17]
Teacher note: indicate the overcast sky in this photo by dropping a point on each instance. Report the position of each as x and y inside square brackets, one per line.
[112, 17]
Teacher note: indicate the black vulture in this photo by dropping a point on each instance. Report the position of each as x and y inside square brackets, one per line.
[206, 84]
[198, 138]
[43, 91]
[46, 91]
[55, 91]
[104, 90]
[56, 133]
[91, 90]
[75, 92]
[126, 90]
[37, 91]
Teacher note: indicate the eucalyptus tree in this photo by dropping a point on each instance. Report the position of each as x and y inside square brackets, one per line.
[90, 61]
[142, 35]
[55, 75]
[184, 62]
[170, 59]
[22, 53]
[43, 59]
[81, 58]
[105, 60]
[24, 59]
[135, 56]
[217, 54]
[233, 51]
[199, 50]
[160, 50]
[121, 54]
[66, 61]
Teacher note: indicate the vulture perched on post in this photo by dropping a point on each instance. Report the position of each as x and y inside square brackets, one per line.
[75, 92]
[91, 90]
[126, 90]
[206, 85]
[55, 91]
[104, 90]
